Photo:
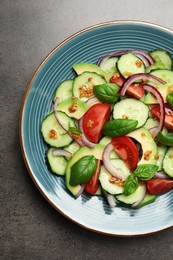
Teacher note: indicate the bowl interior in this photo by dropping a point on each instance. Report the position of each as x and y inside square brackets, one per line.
[87, 46]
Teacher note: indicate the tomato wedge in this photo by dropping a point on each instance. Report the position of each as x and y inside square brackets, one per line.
[94, 120]
[134, 90]
[127, 150]
[157, 186]
[93, 184]
[155, 111]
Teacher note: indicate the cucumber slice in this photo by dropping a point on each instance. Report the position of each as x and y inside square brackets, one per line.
[129, 64]
[53, 133]
[164, 90]
[166, 75]
[162, 60]
[132, 109]
[148, 199]
[64, 90]
[106, 140]
[148, 145]
[83, 85]
[161, 154]
[83, 67]
[57, 164]
[72, 148]
[105, 178]
[137, 195]
[109, 66]
[73, 107]
[153, 122]
[120, 165]
[168, 162]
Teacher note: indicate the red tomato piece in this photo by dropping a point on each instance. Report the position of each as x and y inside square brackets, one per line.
[157, 186]
[127, 150]
[117, 79]
[134, 90]
[155, 111]
[93, 184]
[94, 120]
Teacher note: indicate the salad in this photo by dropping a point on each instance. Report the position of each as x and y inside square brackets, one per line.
[111, 129]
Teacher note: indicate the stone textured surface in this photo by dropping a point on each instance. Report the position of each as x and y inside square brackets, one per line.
[29, 227]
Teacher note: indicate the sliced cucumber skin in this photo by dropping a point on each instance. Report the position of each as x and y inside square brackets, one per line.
[133, 109]
[106, 185]
[72, 148]
[164, 90]
[166, 75]
[131, 199]
[168, 162]
[152, 122]
[84, 80]
[50, 123]
[56, 164]
[64, 90]
[148, 199]
[119, 164]
[127, 63]
[88, 67]
[65, 106]
[106, 140]
[162, 60]
[109, 66]
[161, 153]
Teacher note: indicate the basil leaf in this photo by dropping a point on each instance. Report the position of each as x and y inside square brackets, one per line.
[119, 127]
[82, 170]
[74, 130]
[107, 93]
[131, 184]
[145, 171]
[169, 99]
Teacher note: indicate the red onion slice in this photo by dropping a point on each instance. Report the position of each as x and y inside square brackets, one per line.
[111, 200]
[84, 138]
[92, 101]
[109, 55]
[139, 76]
[169, 111]
[80, 191]
[117, 172]
[80, 143]
[134, 205]
[144, 54]
[161, 175]
[143, 59]
[61, 152]
[159, 97]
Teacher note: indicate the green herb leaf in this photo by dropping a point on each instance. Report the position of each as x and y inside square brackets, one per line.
[165, 139]
[169, 99]
[119, 127]
[145, 171]
[74, 130]
[131, 184]
[82, 170]
[107, 93]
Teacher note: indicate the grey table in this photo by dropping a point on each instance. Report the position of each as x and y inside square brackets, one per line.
[30, 228]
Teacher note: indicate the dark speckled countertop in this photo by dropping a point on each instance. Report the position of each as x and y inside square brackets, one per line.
[29, 227]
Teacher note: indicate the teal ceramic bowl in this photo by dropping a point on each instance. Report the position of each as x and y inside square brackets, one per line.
[88, 45]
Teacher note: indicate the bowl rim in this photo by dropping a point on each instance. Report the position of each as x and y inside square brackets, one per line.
[28, 87]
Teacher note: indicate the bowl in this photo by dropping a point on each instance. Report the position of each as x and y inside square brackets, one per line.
[90, 212]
